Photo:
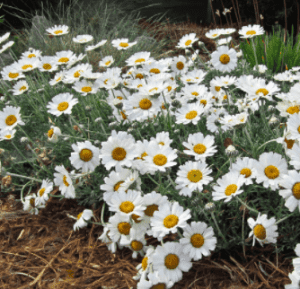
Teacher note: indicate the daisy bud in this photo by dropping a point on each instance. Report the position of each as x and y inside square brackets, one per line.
[173, 109]
[130, 129]
[88, 108]
[271, 108]
[98, 119]
[200, 43]
[173, 96]
[176, 103]
[210, 207]
[2, 151]
[76, 128]
[2, 98]
[112, 124]
[231, 151]
[135, 125]
[96, 142]
[111, 117]
[187, 52]
[239, 54]
[273, 120]
[24, 139]
[176, 130]
[118, 103]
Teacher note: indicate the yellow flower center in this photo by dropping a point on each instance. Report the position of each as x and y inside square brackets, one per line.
[63, 106]
[260, 232]
[145, 104]
[199, 148]
[160, 160]
[179, 65]
[231, 189]
[124, 228]
[150, 210]
[251, 32]
[50, 132]
[159, 286]
[217, 88]
[13, 75]
[155, 70]
[170, 221]
[79, 215]
[8, 136]
[293, 109]
[263, 90]
[194, 176]
[171, 261]
[145, 263]
[58, 32]
[65, 181]
[247, 172]
[136, 245]
[24, 67]
[197, 240]
[188, 42]
[271, 172]
[224, 58]
[117, 185]
[63, 59]
[31, 55]
[10, 120]
[42, 191]
[190, 115]
[22, 88]
[289, 142]
[161, 143]
[140, 60]
[32, 202]
[127, 207]
[86, 89]
[86, 155]
[135, 218]
[296, 190]
[123, 44]
[47, 66]
[118, 154]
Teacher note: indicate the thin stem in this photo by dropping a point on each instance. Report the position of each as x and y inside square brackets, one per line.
[251, 209]
[252, 41]
[215, 221]
[20, 176]
[153, 180]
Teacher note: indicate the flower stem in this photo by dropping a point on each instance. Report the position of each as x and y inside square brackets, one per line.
[253, 210]
[20, 176]
[254, 54]
[215, 221]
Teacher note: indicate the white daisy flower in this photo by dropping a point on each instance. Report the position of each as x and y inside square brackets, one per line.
[119, 227]
[189, 113]
[263, 230]
[144, 267]
[6, 46]
[169, 260]
[29, 204]
[83, 38]
[191, 177]
[198, 240]
[93, 47]
[224, 59]
[28, 64]
[111, 246]
[187, 40]
[251, 30]
[86, 156]
[7, 134]
[65, 57]
[152, 201]
[12, 72]
[294, 154]
[84, 216]
[139, 58]
[245, 167]
[58, 77]
[48, 63]
[64, 181]
[53, 133]
[199, 146]
[127, 204]
[43, 193]
[122, 43]
[179, 65]
[58, 30]
[118, 150]
[75, 73]
[214, 33]
[20, 87]
[10, 117]
[136, 242]
[107, 61]
[155, 281]
[160, 157]
[229, 186]
[62, 103]
[168, 218]
[162, 138]
[271, 168]
[85, 87]
[31, 53]
[291, 183]
[293, 124]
